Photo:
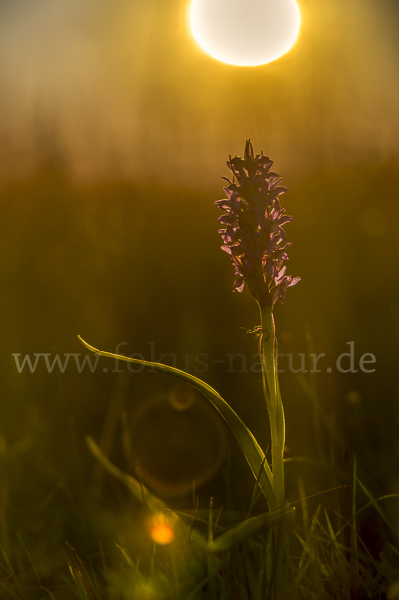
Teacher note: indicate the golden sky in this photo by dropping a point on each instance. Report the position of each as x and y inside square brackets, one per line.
[110, 90]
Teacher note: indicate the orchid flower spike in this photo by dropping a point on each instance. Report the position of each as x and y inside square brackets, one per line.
[253, 231]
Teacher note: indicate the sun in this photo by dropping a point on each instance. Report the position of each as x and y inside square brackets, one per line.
[245, 32]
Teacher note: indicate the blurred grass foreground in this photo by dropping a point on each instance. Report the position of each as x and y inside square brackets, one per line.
[113, 141]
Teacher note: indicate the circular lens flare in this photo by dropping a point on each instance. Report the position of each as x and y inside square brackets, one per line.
[245, 32]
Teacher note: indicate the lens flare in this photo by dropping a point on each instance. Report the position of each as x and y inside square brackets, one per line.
[245, 32]
[181, 397]
[162, 534]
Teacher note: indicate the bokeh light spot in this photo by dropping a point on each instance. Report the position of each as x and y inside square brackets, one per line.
[245, 32]
[162, 534]
[354, 397]
[181, 397]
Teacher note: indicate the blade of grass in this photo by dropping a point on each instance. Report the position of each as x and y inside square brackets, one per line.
[140, 492]
[210, 560]
[238, 533]
[127, 558]
[49, 593]
[354, 559]
[110, 426]
[30, 559]
[374, 501]
[197, 590]
[304, 502]
[10, 593]
[11, 571]
[256, 492]
[81, 576]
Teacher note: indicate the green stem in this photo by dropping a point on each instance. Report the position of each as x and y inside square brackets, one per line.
[271, 390]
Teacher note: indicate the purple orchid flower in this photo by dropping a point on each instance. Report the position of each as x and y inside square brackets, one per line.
[253, 231]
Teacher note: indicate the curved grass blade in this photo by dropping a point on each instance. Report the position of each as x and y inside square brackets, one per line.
[138, 490]
[238, 533]
[250, 447]
[81, 577]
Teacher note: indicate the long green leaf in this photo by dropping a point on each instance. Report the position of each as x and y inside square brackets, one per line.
[238, 533]
[250, 447]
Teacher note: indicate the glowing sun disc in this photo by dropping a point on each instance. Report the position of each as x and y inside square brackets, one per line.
[245, 32]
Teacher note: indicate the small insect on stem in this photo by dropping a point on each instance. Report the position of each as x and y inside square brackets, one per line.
[258, 331]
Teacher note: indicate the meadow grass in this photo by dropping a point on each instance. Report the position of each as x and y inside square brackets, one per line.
[216, 553]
